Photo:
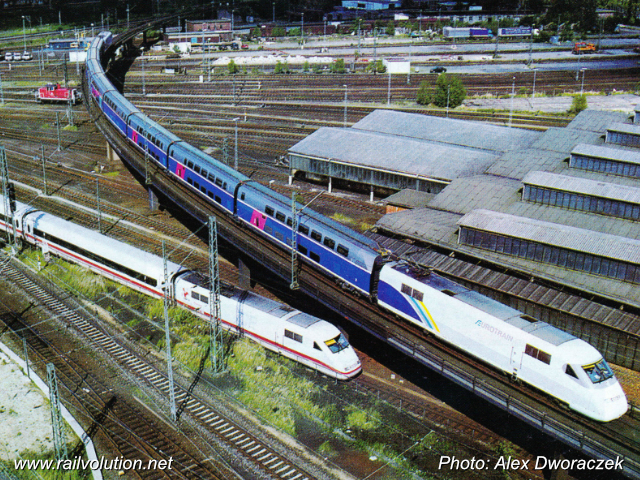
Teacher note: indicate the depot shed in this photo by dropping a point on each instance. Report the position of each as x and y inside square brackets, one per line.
[390, 151]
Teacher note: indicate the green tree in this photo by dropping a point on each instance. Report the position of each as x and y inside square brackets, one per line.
[305, 67]
[424, 96]
[278, 32]
[233, 68]
[391, 28]
[338, 66]
[578, 104]
[449, 91]
[377, 67]
[256, 32]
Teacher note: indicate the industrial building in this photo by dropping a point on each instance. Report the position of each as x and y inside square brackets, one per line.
[434, 151]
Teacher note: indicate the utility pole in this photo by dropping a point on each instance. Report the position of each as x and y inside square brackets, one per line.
[215, 331]
[389, 90]
[1, 91]
[167, 333]
[58, 126]
[44, 169]
[235, 158]
[345, 107]
[513, 93]
[294, 285]
[59, 442]
[144, 87]
[409, 73]
[8, 193]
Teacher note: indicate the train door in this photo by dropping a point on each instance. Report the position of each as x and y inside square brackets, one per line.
[516, 360]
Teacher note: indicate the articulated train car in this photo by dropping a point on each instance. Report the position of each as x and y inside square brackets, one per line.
[301, 337]
[563, 366]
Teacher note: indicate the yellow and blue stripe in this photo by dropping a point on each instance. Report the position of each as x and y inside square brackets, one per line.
[424, 314]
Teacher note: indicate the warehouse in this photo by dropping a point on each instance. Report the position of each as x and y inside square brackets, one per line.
[389, 151]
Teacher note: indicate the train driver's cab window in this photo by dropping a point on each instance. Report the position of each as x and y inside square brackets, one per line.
[337, 344]
[316, 346]
[598, 372]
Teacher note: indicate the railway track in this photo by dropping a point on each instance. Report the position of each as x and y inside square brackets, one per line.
[226, 430]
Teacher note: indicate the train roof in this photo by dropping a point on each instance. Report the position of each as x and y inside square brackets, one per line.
[507, 314]
[109, 248]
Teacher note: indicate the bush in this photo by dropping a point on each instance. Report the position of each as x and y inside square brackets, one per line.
[338, 66]
[579, 104]
[233, 68]
[377, 67]
[424, 96]
[449, 91]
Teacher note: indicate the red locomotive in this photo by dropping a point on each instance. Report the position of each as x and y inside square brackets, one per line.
[56, 93]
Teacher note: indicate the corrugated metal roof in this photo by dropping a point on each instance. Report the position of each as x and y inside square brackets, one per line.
[572, 238]
[518, 163]
[421, 223]
[575, 218]
[482, 191]
[394, 154]
[448, 131]
[410, 198]
[565, 139]
[625, 128]
[596, 120]
[607, 153]
[583, 186]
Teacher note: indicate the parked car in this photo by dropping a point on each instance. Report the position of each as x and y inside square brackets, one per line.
[438, 70]
[27, 56]
[245, 46]
[8, 56]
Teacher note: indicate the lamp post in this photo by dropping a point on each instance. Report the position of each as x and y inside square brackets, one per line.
[533, 95]
[302, 32]
[92, 35]
[235, 158]
[389, 90]
[582, 84]
[24, 33]
[1, 91]
[274, 11]
[345, 106]
[513, 93]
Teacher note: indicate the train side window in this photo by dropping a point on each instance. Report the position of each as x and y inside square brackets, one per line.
[209, 194]
[303, 229]
[217, 199]
[269, 211]
[538, 354]
[279, 236]
[302, 249]
[189, 181]
[316, 235]
[344, 251]
[417, 294]
[329, 242]
[218, 182]
[569, 371]
[197, 185]
[292, 335]
[197, 168]
[315, 345]
[289, 222]
[406, 289]
[224, 185]
[205, 174]
[280, 216]
[203, 189]
[212, 177]
[314, 256]
[268, 229]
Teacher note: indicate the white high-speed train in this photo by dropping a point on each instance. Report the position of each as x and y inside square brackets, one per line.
[278, 327]
[532, 351]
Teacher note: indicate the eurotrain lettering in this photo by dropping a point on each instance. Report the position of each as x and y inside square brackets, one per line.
[494, 330]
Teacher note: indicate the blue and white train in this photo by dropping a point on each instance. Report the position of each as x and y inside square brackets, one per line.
[536, 353]
[280, 328]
